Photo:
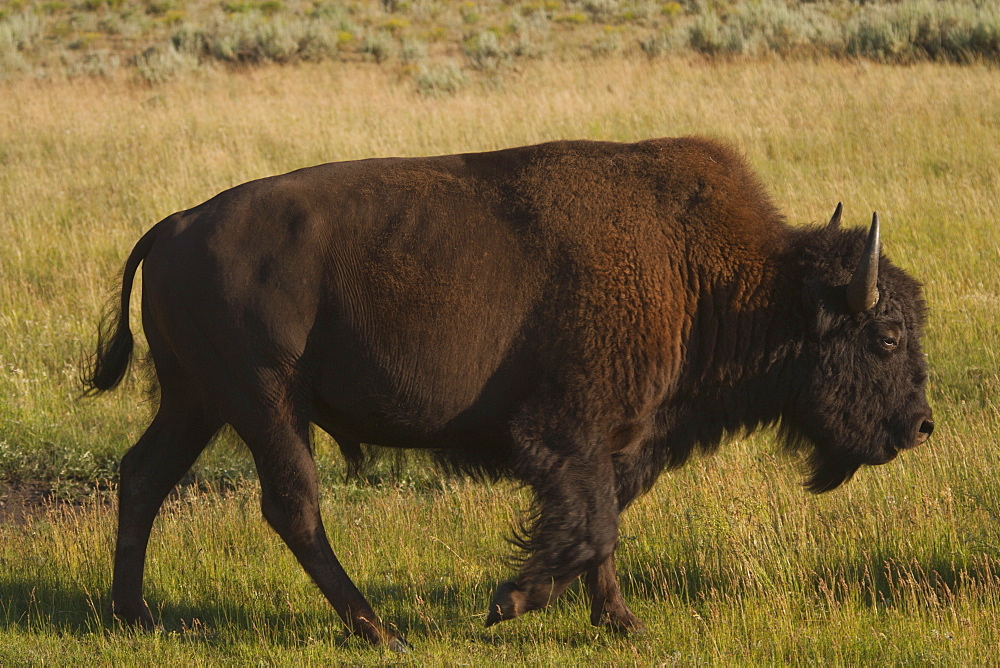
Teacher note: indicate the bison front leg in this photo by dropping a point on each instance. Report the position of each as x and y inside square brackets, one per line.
[634, 473]
[576, 529]
[607, 605]
[290, 504]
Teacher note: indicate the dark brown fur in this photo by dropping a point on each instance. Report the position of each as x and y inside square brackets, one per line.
[579, 315]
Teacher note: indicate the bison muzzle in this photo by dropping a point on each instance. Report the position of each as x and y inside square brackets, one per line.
[578, 316]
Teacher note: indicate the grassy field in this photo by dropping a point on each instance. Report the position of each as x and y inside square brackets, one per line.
[727, 561]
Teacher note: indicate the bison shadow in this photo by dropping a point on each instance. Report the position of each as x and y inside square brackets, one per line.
[27, 607]
[884, 580]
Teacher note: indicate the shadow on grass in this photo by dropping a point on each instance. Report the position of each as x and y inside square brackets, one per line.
[438, 612]
[876, 579]
[33, 608]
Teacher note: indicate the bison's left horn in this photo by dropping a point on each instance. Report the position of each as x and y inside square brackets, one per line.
[862, 291]
[834, 223]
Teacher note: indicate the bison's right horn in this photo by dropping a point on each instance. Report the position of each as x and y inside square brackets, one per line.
[862, 291]
[834, 223]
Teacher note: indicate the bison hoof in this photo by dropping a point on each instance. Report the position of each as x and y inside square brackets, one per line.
[508, 603]
[138, 617]
[398, 645]
[624, 626]
[379, 636]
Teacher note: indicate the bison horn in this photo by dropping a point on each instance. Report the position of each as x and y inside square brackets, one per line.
[834, 223]
[862, 291]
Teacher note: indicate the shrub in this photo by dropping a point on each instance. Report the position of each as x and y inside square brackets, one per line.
[11, 60]
[161, 63]
[764, 27]
[671, 9]
[53, 7]
[437, 79]
[709, 36]
[21, 31]
[950, 31]
[775, 27]
[396, 25]
[278, 41]
[413, 50]
[485, 51]
[265, 7]
[91, 64]
[873, 36]
[18, 33]
[159, 7]
[321, 40]
[602, 10]
[380, 46]
[326, 9]
[609, 41]
[469, 12]
[571, 18]
[191, 40]
[663, 42]
[250, 38]
[531, 34]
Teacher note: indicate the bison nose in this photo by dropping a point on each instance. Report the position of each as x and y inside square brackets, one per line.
[926, 427]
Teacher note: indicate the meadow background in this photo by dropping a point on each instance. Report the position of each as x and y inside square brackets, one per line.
[728, 561]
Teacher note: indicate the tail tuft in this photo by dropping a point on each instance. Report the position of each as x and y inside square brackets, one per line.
[108, 366]
[105, 370]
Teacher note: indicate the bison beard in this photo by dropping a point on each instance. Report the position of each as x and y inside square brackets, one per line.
[576, 315]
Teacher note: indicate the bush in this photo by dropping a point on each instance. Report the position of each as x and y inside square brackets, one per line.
[666, 41]
[447, 78]
[609, 41]
[11, 60]
[98, 63]
[531, 34]
[380, 46]
[775, 27]
[18, 33]
[949, 31]
[251, 38]
[321, 40]
[159, 64]
[485, 52]
[708, 35]
[413, 50]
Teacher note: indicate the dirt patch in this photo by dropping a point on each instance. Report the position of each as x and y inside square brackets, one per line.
[19, 502]
[23, 502]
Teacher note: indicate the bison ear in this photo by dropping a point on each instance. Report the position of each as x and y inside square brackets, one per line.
[815, 296]
[834, 223]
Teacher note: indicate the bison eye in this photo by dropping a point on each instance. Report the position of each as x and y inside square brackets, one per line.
[888, 336]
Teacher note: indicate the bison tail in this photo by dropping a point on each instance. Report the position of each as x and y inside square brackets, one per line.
[111, 362]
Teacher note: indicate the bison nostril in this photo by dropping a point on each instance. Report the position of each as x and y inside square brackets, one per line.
[926, 427]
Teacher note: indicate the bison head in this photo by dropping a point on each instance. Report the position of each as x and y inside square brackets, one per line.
[862, 376]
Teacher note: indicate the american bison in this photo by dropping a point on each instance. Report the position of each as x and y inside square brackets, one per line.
[576, 315]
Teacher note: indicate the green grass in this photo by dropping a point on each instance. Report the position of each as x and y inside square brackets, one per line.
[727, 560]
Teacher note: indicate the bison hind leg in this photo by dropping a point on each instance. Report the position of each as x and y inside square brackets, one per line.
[290, 504]
[148, 471]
